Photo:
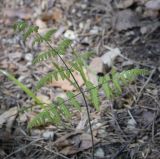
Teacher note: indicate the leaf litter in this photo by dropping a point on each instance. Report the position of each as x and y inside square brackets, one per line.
[101, 29]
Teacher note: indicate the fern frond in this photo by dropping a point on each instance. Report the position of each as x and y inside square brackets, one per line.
[44, 56]
[63, 46]
[63, 108]
[46, 79]
[73, 100]
[20, 26]
[37, 40]
[48, 34]
[104, 81]
[23, 87]
[94, 97]
[46, 116]
[130, 75]
[78, 66]
[30, 30]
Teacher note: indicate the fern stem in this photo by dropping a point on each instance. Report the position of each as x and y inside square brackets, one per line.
[83, 95]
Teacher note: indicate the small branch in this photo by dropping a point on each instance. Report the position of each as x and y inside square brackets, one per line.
[20, 149]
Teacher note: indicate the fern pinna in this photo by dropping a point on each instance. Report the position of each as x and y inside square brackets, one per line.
[59, 111]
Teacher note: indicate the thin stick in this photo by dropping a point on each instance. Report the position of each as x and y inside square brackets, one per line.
[20, 149]
[58, 154]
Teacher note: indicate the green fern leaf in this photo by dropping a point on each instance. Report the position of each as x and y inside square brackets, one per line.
[104, 81]
[30, 30]
[63, 46]
[48, 34]
[54, 114]
[93, 94]
[20, 26]
[73, 100]
[46, 79]
[63, 108]
[37, 40]
[117, 86]
[23, 87]
[44, 56]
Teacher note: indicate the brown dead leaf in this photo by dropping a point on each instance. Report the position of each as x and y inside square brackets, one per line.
[56, 15]
[65, 84]
[75, 142]
[8, 117]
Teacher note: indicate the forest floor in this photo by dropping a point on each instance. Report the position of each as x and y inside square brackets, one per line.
[132, 129]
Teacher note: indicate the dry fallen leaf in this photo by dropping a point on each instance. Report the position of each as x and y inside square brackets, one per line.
[45, 99]
[65, 84]
[109, 57]
[74, 142]
[55, 14]
[41, 24]
[8, 117]
[96, 67]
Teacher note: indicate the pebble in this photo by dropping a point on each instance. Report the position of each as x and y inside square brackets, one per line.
[48, 135]
[99, 152]
[69, 34]
[28, 57]
[153, 5]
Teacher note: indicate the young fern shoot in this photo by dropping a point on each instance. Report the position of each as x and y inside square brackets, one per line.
[56, 113]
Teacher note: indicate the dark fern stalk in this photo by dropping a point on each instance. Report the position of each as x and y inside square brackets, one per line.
[83, 95]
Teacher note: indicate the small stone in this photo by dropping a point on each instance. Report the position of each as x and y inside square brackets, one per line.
[143, 30]
[95, 30]
[48, 135]
[69, 34]
[28, 57]
[99, 152]
[153, 5]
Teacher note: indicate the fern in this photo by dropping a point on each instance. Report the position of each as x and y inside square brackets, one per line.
[44, 56]
[48, 34]
[56, 113]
